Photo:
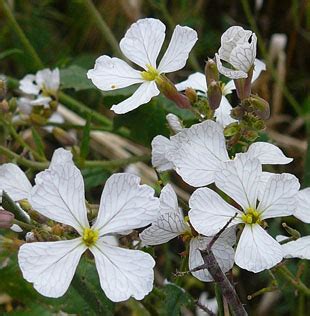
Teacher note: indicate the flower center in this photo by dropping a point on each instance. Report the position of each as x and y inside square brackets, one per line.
[151, 74]
[252, 216]
[90, 236]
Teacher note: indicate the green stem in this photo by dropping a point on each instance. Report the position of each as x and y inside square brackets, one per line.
[183, 265]
[289, 97]
[23, 225]
[24, 40]
[219, 299]
[299, 285]
[102, 26]
[23, 161]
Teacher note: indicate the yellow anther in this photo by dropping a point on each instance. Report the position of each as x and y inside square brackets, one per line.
[90, 236]
[252, 216]
[151, 73]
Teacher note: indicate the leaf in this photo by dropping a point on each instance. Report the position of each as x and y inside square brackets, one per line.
[85, 140]
[94, 177]
[9, 52]
[144, 123]
[38, 142]
[75, 77]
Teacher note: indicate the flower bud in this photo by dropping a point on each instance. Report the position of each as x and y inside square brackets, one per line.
[237, 113]
[250, 135]
[258, 106]
[211, 71]
[3, 90]
[63, 137]
[4, 107]
[191, 94]
[6, 219]
[214, 94]
[232, 129]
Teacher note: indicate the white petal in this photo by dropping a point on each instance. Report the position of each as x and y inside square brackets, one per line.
[123, 273]
[50, 266]
[166, 227]
[160, 146]
[24, 105]
[229, 73]
[169, 201]
[14, 182]
[182, 41]
[125, 204]
[257, 250]
[15, 228]
[48, 80]
[263, 180]
[174, 123]
[59, 195]
[222, 113]
[222, 251]
[113, 73]
[41, 100]
[302, 211]
[28, 85]
[259, 66]
[239, 179]
[61, 156]
[142, 42]
[196, 81]
[299, 248]
[279, 198]
[268, 154]
[229, 87]
[209, 212]
[142, 95]
[242, 57]
[198, 151]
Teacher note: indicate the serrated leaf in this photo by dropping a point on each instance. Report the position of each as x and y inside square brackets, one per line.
[75, 77]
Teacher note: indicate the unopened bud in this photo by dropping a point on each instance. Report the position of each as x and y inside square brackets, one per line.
[37, 119]
[3, 90]
[211, 71]
[30, 237]
[6, 219]
[191, 94]
[232, 129]
[237, 113]
[250, 135]
[214, 94]
[63, 137]
[293, 232]
[259, 125]
[174, 123]
[258, 106]
[4, 107]
[168, 89]
[12, 105]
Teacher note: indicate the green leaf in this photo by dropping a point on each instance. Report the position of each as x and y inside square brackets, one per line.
[94, 177]
[9, 52]
[144, 123]
[85, 140]
[38, 142]
[75, 77]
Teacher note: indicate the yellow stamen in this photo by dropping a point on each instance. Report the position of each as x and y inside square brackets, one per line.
[151, 74]
[90, 236]
[252, 216]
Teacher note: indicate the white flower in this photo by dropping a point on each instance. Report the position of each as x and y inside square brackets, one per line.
[174, 123]
[45, 83]
[141, 45]
[299, 248]
[198, 82]
[240, 180]
[171, 223]
[125, 205]
[303, 205]
[196, 153]
[238, 48]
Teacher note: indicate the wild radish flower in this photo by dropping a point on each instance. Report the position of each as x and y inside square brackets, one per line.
[198, 82]
[125, 205]
[43, 86]
[171, 223]
[196, 153]
[238, 48]
[299, 248]
[141, 45]
[303, 205]
[240, 179]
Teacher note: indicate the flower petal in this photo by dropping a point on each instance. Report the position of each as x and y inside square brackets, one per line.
[169, 200]
[60, 156]
[197, 152]
[223, 252]
[239, 179]
[28, 85]
[268, 154]
[222, 113]
[302, 211]
[14, 182]
[50, 266]
[113, 73]
[123, 273]
[195, 81]
[182, 41]
[48, 79]
[209, 212]
[142, 95]
[299, 248]
[59, 195]
[257, 250]
[259, 66]
[125, 204]
[142, 42]
[229, 73]
[279, 198]
[160, 146]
